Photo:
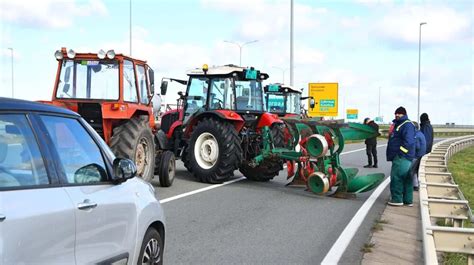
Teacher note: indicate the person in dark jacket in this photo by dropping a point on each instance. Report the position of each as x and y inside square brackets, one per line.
[401, 151]
[427, 130]
[420, 151]
[371, 144]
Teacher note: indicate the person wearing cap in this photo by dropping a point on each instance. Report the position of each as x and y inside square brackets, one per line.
[401, 152]
[371, 144]
[427, 130]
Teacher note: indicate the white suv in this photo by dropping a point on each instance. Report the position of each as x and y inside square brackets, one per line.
[65, 198]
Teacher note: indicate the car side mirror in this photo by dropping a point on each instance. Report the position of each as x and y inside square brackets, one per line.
[66, 88]
[164, 87]
[67, 74]
[151, 76]
[91, 173]
[311, 103]
[124, 169]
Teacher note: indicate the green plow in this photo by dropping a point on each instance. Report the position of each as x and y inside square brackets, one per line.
[312, 154]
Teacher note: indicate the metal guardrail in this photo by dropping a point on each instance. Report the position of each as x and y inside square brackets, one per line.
[441, 199]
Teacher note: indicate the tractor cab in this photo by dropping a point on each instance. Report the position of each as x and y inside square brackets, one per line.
[104, 87]
[226, 87]
[283, 100]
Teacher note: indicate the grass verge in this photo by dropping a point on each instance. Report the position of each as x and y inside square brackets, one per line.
[461, 166]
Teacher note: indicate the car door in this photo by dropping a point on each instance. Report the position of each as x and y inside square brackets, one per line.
[105, 213]
[37, 223]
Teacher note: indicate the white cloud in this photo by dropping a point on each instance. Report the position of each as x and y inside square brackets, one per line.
[444, 24]
[49, 13]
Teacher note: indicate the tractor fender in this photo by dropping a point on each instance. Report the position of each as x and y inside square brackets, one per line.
[161, 141]
[268, 119]
[175, 125]
[227, 115]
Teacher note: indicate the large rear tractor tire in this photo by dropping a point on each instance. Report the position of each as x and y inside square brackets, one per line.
[265, 171]
[134, 140]
[277, 131]
[214, 150]
[166, 168]
[184, 158]
[270, 167]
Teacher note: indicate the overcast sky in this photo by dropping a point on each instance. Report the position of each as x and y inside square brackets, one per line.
[362, 45]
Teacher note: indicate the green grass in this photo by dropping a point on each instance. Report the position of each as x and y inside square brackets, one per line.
[367, 248]
[461, 166]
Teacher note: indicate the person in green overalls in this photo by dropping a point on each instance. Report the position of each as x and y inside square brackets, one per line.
[401, 151]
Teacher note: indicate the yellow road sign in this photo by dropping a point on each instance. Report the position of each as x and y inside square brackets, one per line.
[325, 97]
[352, 111]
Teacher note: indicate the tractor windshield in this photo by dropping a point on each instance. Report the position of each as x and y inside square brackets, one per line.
[89, 79]
[276, 103]
[249, 95]
[293, 103]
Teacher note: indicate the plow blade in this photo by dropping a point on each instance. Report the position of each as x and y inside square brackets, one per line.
[357, 131]
[365, 183]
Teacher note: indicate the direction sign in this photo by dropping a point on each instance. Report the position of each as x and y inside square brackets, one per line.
[325, 97]
[352, 113]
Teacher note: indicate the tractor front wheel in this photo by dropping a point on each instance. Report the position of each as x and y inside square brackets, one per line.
[214, 150]
[134, 140]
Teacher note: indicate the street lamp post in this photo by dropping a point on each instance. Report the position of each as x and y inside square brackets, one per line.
[240, 48]
[13, 94]
[283, 70]
[291, 44]
[419, 70]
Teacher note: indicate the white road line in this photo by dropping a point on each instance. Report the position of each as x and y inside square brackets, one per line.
[228, 182]
[361, 149]
[200, 190]
[334, 255]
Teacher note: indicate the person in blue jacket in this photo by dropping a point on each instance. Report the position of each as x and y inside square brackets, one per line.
[420, 151]
[427, 131]
[401, 151]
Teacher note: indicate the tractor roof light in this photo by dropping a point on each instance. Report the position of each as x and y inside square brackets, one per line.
[205, 67]
[59, 55]
[101, 54]
[71, 54]
[110, 54]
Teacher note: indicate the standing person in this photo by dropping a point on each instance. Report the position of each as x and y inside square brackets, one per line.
[427, 131]
[371, 144]
[420, 151]
[401, 151]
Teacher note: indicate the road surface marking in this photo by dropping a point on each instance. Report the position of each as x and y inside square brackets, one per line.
[200, 190]
[334, 255]
[230, 182]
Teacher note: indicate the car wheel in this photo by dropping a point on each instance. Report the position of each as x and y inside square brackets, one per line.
[151, 251]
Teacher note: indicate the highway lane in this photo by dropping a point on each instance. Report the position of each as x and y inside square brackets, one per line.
[249, 222]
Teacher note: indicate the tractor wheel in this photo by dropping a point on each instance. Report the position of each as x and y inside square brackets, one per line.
[166, 168]
[214, 151]
[134, 140]
[265, 171]
[184, 158]
[278, 135]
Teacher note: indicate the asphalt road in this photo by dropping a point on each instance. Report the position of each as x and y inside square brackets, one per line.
[263, 223]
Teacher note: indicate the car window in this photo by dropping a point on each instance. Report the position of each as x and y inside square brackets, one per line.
[21, 163]
[78, 153]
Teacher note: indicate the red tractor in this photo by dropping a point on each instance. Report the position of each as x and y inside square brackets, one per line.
[113, 93]
[216, 128]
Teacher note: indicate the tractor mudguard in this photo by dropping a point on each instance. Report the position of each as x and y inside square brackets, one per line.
[228, 115]
[267, 119]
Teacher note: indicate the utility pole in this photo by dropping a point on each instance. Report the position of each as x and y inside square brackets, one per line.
[130, 27]
[291, 44]
[419, 71]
